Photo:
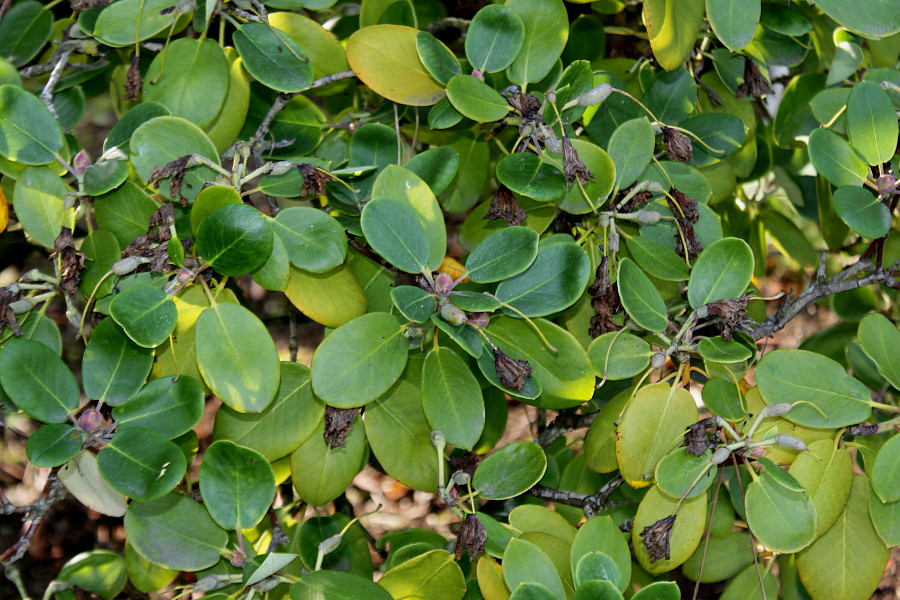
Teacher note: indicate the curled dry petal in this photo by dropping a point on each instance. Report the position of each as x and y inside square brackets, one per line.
[755, 84]
[512, 372]
[471, 536]
[338, 422]
[678, 145]
[504, 206]
[656, 538]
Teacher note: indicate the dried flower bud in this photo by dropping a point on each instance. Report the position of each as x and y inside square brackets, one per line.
[237, 558]
[314, 180]
[789, 441]
[504, 206]
[479, 320]
[91, 420]
[658, 360]
[648, 217]
[595, 95]
[452, 314]
[696, 440]
[732, 313]
[511, 372]
[338, 422]
[471, 536]
[573, 165]
[133, 81]
[125, 266]
[754, 83]
[443, 284]
[720, 455]
[886, 184]
[656, 538]
[777, 410]
[678, 145]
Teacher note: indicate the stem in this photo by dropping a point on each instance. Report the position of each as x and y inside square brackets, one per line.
[531, 323]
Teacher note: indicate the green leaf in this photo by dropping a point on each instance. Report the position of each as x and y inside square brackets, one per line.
[619, 355]
[430, 576]
[725, 133]
[601, 165]
[127, 22]
[720, 558]
[476, 100]
[413, 302]
[235, 239]
[141, 464]
[314, 240]
[529, 518]
[503, 254]
[161, 140]
[510, 471]
[386, 59]
[631, 148]
[319, 473]
[53, 445]
[494, 38]
[879, 339]
[392, 228]
[886, 519]
[566, 379]
[672, 97]
[746, 586]
[124, 212]
[114, 367]
[210, 199]
[190, 65]
[169, 406]
[28, 132]
[826, 473]
[600, 534]
[795, 116]
[120, 136]
[722, 271]
[400, 437]
[237, 484]
[683, 474]
[359, 361]
[529, 590]
[718, 350]
[437, 59]
[526, 174]
[657, 260]
[553, 282]
[100, 572]
[25, 29]
[331, 298]
[734, 23]
[780, 518]
[871, 122]
[335, 585]
[524, 562]
[39, 198]
[848, 560]
[885, 471]
[686, 533]
[146, 313]
[474, 301]
[862, 211]
[546, 31]
[103, 176]
[659, 590]
[877, 19]
[175, 532]
[272, 57]
[237, 357]
[436, 167]
[673, 27]
[803, 376]
[282, 426]
[597, 566]
[452, 398]
[651, 426]
[640, 298]
[834, 159]
[723, 398]
[463, 334]
[38, 381]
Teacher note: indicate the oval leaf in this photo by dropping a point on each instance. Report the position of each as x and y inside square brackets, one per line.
[510, 471]
[237, 485]
[640, 298]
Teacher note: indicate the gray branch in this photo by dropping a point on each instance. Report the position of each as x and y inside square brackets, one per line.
[564, 422]
[54, 491]
[590, 503]
[841, 282]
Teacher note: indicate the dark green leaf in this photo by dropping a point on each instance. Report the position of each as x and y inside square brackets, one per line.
[619, 355]
[141, 464]
[236, 239]
[722, 271]
[553, 282]
[272, 57]
[53, 445]
[146, 313]
[862, 211]
[452, 398]
[170, 406]
[475, 99]
[526, 174]
[38, 381]
[494, 38]
[641, 300]
[436, 58]
[502, 254]
[114, 367]
[237, 485]
[510, 471]
[314, 240]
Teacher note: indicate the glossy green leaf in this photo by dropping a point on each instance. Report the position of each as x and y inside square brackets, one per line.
[53, 445]
[530, 518]
[876, 19]
[553, 282]
[236, 239]
[30, 134]
[436, 167]
[131, 21]
[400, 437]
[640, 298]
[631, 148]
[476, 100]
[862, 211]
[451, 398]
[673, 27]
[170, 406]
[597, 189]
[25, 29]
[723, 398]
[619, 355]
[161, 140]
[871, 122]
[659, 590]
[683, 474]
[596, 565]
[272, 57]
[718, 350]
[473, 301]
[600, 534]
[723, 133]
[826, 473]
[672, 97]
[721, 557]
[746, 586]
[510, 471]
[657, 260]
[393, 230]
[141, 464]
[546, 31]
[780, 518]
[526, 174]
[282, 426]
[734, 23]
[114, 367]
[431, 576]
[597, 590]
[879, 338]
[190, 65]
[795, 118]
[331, 298]
[314, 240]
[885, 472]
[104, 176]
[503, 254]
[124, 212]
[524, 562]
[722, 271]
[652, 425]
[39, 199]
[848, 560]
[413, 302]
[886, 519]
[336, 585]
[146, 313]
[237, 357]
[566, 379]
[685, 535]
[494, 38]
[319, 473]
[38, 381]
[100, 572]
[359, 361]
[175, 532]
[529, 590]
[803, 376]
[436, 58]
[834, 159]
[237, 485]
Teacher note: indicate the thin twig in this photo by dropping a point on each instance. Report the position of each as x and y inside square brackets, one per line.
[47, 92]
[53, 492]
[590, 503]
[564, 422]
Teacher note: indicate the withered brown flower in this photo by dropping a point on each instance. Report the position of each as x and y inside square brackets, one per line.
[471, 536]
[684, 208]
[7, 316]
[175, 171]
[754, 83]
[338, 422]
[636, 201]
[732, 314]
[678, 146]
[695, 438]
[133, 81]
[314, 180]
[604, 300]
[512, 372]
[71, 262]
[573, 165]
[656, 538]
[504, 206]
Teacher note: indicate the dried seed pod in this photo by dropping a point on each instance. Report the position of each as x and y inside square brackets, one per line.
[471, 536]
